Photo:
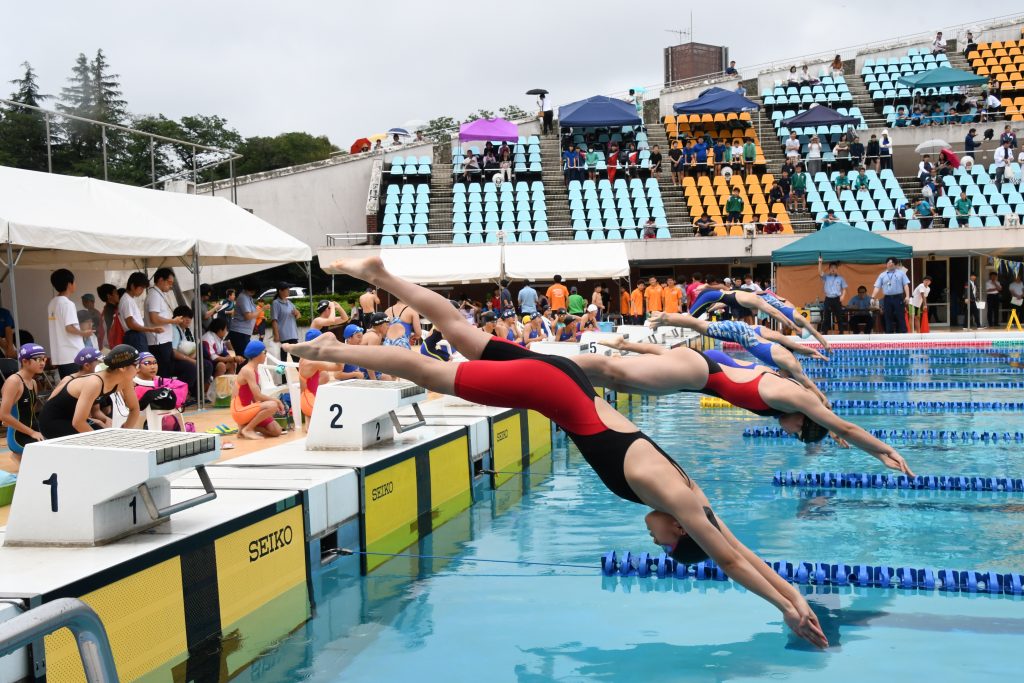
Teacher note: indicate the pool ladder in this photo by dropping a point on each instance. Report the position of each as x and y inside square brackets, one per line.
[85, 625]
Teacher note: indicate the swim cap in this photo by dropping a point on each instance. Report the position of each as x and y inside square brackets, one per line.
[592, 308]
[254, 348]
[508, 313]
[526, 319]
[323, 306]
[87, 355]
[687, 551]
[377, 319]
[351, 331]
[811, 431]
[146, 355]
[30, 351]
[121, 356]
[312, 334]
[488, 317]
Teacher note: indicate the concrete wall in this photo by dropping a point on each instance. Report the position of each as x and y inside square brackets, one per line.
[905, 140]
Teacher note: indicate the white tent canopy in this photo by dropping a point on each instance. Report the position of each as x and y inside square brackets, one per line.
[444, 265]
[571, 260]
[97, 225]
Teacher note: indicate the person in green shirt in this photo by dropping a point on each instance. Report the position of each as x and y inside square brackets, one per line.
[734, 207]
[963, 210]
[592, 163]
[862, 181]
[842, 182]
[577, 303]
[749, 154]
[798, 188]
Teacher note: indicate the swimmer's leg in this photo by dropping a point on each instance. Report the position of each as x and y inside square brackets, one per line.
[428, 373]
[469, 340]
[678, 370]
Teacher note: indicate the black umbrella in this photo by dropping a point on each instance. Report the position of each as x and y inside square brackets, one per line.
[537, 91]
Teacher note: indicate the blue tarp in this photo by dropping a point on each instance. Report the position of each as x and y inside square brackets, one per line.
[716, 101]
[820, 116]
[598, 111]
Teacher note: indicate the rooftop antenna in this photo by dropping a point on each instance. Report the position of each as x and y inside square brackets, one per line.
[683, 32]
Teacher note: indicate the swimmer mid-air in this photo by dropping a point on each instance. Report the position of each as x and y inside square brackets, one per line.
[768, 346]
[629, 463]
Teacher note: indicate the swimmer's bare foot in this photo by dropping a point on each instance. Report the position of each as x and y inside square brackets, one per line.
[368, 269]
[326, 347]
[250, 434]
[613, 342]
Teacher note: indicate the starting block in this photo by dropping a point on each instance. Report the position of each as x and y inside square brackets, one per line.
[92, 488]
[355, 414]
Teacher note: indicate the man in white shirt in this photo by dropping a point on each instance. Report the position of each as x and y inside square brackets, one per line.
[919, 303]
[1017, 295]
[159, 314]
[993, 291]
[66, 336]
[1002, 157]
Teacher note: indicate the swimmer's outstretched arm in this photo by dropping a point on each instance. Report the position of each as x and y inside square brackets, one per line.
[791, 344]
[790, 367]
[748, 300]
[735, 559]
[808, 404]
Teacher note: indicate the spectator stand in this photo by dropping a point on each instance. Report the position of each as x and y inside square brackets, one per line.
[989, 204]
[827, 123]
[1003, 63]
[874, 209]
[405, 205]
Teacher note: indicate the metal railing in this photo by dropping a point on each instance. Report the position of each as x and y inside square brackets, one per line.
[49, 115]
[73, 614]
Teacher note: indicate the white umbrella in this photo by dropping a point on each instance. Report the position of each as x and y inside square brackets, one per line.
[932, 147]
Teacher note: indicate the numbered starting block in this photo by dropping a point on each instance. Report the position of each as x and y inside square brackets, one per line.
[93, 488]
[359, 413]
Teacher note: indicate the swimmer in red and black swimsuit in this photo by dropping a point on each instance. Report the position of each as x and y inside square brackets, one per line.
[759, 390]
[500, 373]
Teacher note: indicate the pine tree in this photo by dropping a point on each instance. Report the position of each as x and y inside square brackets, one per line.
[109, 107]
[80, 141]
[23, 131]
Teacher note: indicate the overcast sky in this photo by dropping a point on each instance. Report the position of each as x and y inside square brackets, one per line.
[351, 68]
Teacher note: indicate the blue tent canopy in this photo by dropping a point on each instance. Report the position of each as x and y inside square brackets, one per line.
[942, 76]
[716, 101]
[598, 111]
[820, 116]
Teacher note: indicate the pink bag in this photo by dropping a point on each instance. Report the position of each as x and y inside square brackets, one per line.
[179, 388]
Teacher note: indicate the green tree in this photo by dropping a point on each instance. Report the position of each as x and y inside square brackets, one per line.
[78, 139]
[287, 149]
[480, 114]
[512, 112]
[93, 92]
[174, 159]
[440, 129]
[23, 131]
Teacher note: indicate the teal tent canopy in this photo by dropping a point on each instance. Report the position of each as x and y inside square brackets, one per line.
[840, 242]
[942, 76]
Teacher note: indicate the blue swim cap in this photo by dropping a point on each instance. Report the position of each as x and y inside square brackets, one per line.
[312, 334]
[351, 330]
[254, 348]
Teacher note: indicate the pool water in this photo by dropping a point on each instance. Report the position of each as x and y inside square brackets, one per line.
[465, 620]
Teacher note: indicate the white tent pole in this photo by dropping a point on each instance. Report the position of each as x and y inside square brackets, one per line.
[14, 296]
[197, 329]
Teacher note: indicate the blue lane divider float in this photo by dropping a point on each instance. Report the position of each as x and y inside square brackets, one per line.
[926, 386]
[930, 406]
[867, 480]
[836, 373]
[822, 574]
[897, 361]
[909, 435]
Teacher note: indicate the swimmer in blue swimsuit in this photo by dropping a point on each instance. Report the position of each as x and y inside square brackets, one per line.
[709, 299]
[407, 328]
[771, 348]
[798, 320]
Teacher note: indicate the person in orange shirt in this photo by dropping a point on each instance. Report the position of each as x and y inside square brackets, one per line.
[671, 296]
[557, 294]
[636, 304]
[653, 295]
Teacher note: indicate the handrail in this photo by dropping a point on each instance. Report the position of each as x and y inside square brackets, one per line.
[76, 616]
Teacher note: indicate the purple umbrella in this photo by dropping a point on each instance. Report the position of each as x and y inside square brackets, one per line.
[489, 129]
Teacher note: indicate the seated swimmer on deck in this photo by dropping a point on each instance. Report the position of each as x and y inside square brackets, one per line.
[251, 409]
[629, 463]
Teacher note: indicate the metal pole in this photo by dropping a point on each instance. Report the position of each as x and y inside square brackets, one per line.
[14, 295]
[197, 329]
[195, 174]
[152, 161]
[309, 279]
[234, 186]
[103, 136]
[49, 152]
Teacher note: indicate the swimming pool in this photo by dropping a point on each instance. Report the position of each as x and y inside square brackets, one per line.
[465, 620]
